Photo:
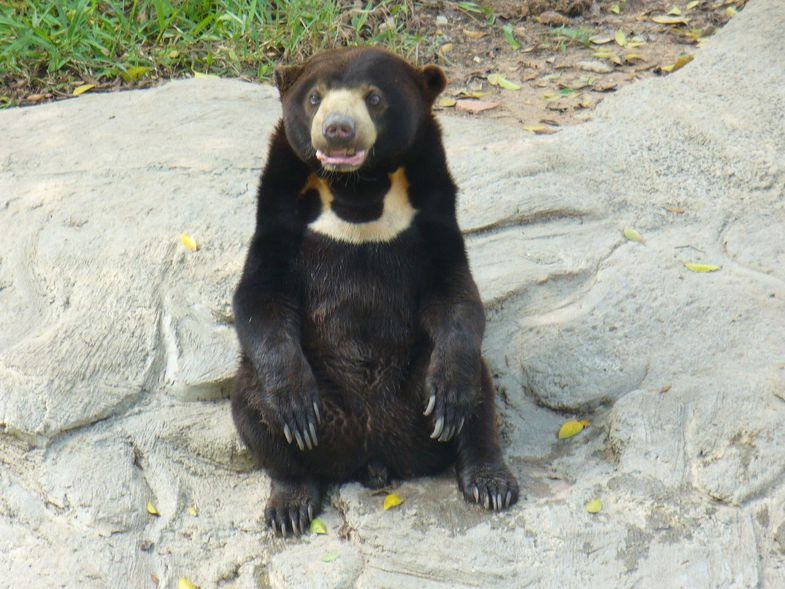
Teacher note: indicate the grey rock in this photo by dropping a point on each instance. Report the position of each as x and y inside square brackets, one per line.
[117, 347]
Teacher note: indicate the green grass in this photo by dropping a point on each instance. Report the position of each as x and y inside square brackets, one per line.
[55, 44]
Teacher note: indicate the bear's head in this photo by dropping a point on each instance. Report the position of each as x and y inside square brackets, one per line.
[356, 108]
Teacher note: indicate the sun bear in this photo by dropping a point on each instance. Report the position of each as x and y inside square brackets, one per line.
[359, 321]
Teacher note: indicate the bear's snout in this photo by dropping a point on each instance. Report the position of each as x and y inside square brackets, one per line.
[339, 129]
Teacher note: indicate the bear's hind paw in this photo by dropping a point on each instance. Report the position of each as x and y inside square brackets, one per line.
[490, 485]
[292, 506]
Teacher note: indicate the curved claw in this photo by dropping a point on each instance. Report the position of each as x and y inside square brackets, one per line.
[438, 428]
[299, 439]
[312, 429]
[460, 426]
[288, 433]
[476, 493]
[316, 412]
[431, 405]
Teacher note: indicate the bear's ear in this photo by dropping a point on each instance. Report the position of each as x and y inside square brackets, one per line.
[435, 81]
[285, 76]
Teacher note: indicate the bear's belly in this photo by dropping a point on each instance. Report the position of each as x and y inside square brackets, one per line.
[359, 328]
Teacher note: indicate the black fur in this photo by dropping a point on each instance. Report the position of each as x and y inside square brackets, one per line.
[344, 344]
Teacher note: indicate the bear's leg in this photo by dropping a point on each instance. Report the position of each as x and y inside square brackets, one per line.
[483, 477]
[295, 493]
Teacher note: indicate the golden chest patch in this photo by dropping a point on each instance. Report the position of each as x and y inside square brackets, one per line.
[396, 217]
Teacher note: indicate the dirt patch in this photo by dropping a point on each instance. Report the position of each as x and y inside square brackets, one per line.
[560, 58]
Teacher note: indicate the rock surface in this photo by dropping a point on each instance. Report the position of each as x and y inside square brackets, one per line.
[117, 350]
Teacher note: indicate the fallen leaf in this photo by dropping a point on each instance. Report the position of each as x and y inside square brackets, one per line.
[692, 4]
[730, 12]
[156, 581]
[701, 268]
[447, 102]
[184, 583]
[201, 75]
[471, 94]
[615, 9]
[189, 242]
[318, 526]
[151, 509]
[330, 557]
[446, 48]
[594, 66]
[603, 54]
[680, 62]
[664, 19]
[675, 11]
[630, 57]
[392, 500]
[633, 235]
[79, 90]
[600, 39]
[540, 129]
[475, 106]
[620, 38]
[134, 73]
[502, 82]
[676, 210]
[572, 428]
[474, 34]
[551, 18]
[193, 511]
[594, 506]
[510, 38]
[665, 388]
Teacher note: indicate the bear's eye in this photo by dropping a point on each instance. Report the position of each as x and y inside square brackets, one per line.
[314, 99]
[374, 99]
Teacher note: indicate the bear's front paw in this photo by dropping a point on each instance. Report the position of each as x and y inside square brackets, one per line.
[292, 506]
[491, 485]
[453, 390]
[295, 407]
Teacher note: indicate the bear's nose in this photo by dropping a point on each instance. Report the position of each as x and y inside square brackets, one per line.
[339, 128]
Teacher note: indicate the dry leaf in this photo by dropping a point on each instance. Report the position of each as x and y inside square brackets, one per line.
[330, 557]
[594, 506]
[676, 210]
[633, 235]
[447, 102]
[675, 11]
[188, 242]
[474, 34]
[665, 388]
[392, 500]
[664, 19]
[471, 94]
[692, 4]
[681, 61]
[730, 12]
[193, 511]
[502, 82]
[318, 526]
[184, 583]
[540, 129]
[620, 38]
[615, 9]
[600, 39]
[151, 509]
[475, 106]
[701, 268]
[572, 428]
[79, 90]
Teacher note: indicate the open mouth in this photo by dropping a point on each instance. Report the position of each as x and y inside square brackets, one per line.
[341, 159]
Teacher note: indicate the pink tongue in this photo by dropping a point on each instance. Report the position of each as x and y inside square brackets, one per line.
[340, 158]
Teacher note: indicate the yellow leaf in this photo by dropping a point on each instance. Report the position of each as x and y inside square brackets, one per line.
[603, 54]
[502, 82]
[318, 526]
[447, 102]
[633, 235]
[615, 9]
[474, 34]
[540, 129]
[193, 511]
[730, 12]
[664, 19]
[594, 506]
[134, 73]
[701, 268]
[205, 76]
[392, 500]
[680, 62]
[151, 509]
[692, 4]
[620, 38]
[630, 57]
[189, 242]
[184, 583]
[571, 428]
[329, 557]
[82, 89]
[600, 39]
[675, 11]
